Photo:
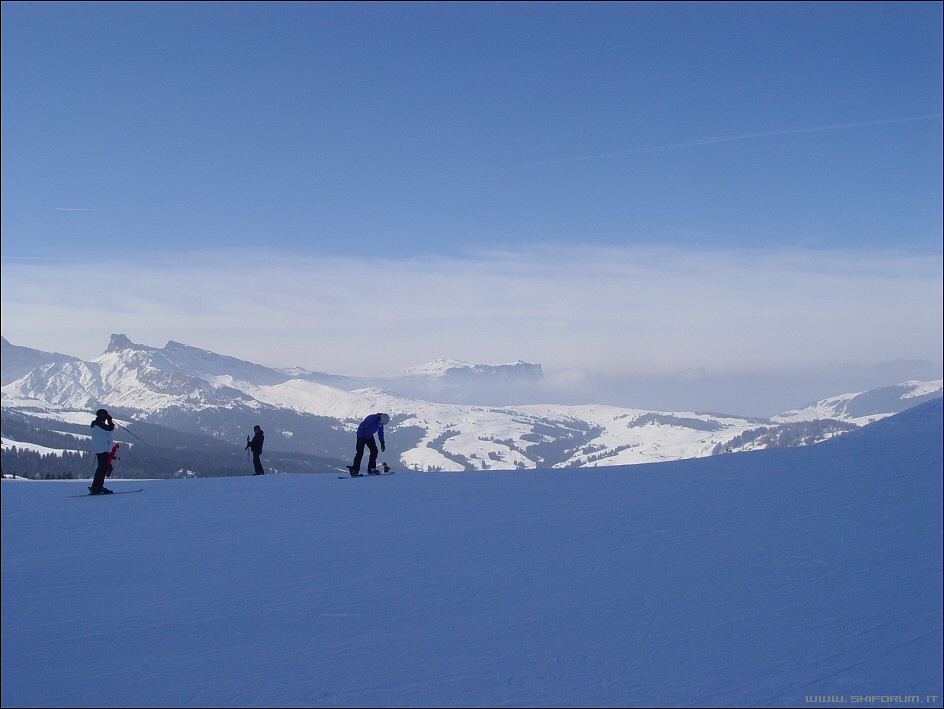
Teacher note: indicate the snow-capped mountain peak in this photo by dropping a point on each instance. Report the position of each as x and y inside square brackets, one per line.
[437, 367]
[122, 342]
[452, 368]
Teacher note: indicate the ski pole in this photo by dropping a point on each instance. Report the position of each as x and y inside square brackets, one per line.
[131, 432]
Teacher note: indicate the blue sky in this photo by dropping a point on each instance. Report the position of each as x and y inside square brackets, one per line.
[642, 190]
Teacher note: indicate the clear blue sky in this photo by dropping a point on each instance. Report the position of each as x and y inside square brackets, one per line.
[407, 142]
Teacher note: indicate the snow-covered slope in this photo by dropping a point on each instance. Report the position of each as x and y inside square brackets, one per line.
[19, 361]
[792, 577]
[862, 408]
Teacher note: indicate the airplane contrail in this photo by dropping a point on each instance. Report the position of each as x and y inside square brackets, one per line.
[733, 138]
[76, 209]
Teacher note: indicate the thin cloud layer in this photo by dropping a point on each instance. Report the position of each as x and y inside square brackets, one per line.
[614, 310]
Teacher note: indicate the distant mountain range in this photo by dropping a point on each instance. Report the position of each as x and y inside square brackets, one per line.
[194, 408]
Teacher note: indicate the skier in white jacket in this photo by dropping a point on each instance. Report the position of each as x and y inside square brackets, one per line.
[103, 448]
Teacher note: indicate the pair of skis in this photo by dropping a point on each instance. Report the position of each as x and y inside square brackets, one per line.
[108, 494]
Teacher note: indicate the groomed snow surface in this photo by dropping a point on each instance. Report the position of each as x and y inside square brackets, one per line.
[796, 577]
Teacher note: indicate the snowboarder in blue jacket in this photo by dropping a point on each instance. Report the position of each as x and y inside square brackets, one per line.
[365, 439]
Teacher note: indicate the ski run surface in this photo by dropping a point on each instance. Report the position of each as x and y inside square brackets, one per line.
[791, 577]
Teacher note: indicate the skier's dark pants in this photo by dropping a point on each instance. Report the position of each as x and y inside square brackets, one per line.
[372, 460]
[257, 463]
[104, 468]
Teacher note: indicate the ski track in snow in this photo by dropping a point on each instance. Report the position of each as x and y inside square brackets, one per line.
[755, 579]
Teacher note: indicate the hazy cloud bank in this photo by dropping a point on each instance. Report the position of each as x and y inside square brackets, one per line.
[634, 314]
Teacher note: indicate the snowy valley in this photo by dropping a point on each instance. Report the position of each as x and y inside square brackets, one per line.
[309, 417]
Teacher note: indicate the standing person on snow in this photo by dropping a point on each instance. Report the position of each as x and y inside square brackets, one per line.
[102, 445]
[365, 438]
[255, 445]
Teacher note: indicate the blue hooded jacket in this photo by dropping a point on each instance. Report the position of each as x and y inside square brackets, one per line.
[371, 425]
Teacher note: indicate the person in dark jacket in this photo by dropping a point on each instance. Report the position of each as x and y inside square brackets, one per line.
[373, 424]
[255, 445]
[102, 447]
